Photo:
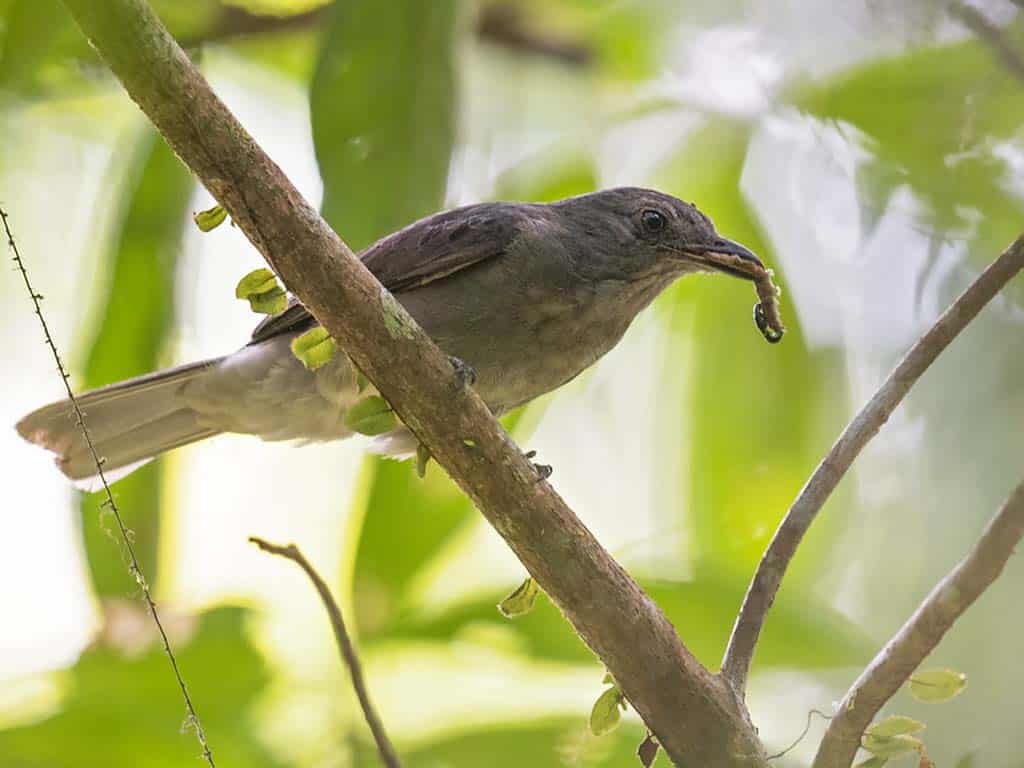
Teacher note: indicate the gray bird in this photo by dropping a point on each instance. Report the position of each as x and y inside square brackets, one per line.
[528, 295]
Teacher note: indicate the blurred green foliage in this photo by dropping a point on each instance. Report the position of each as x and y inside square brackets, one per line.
[132, 336]
[384, 87]
[124, 709]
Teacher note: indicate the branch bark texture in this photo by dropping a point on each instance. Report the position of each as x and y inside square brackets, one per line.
[865, 425]
[347, 650]
[694, 715]
[895, 663]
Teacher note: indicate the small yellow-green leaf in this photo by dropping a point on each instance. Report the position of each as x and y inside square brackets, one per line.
[422, 459]
[272, 302]
[608, 679]
[890, 746]
[937, 684]
[314, 348]
[873, 762]
[210, 218]
[521, 601]
[361, 382]
[371, 416]
[256, 282]
[895, 726]
[605, 714]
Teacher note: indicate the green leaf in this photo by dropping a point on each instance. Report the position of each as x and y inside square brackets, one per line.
[896, 725]
[873, 762]
[937, 685]
[271, 302]
[134, 696]
[891, 746]
[383, 125]
[605, 715]
[371, 416]
[135, 318]
[256, 282]
[521, 601]
[314, 349]
[422, 459]
[210, 219]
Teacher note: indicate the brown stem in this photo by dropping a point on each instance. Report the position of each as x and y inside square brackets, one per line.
[348, 652]
[992, 35]
[694, 715]
[865, 425]
[895, 663]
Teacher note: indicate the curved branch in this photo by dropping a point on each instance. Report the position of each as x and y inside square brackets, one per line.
[894, 664]
[387, 752]
[865, 425]
[693, 714]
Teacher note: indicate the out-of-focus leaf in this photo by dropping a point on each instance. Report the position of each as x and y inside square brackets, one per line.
[33, 35]
[806, 633]
[873, 762]
[755, 418]
[133, 707]
[946, 109]
[383, 116]
[521, 601]
[135, 319]
[936, 685]
[890, 746]
[895, 725]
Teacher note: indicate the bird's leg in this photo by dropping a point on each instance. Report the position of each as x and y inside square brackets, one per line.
[464, 372]
[543, 470]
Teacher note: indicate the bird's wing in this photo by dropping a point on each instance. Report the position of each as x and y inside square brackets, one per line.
[429, 250]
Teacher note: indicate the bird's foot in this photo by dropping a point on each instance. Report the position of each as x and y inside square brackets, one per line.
[543, 471]
[464, 372]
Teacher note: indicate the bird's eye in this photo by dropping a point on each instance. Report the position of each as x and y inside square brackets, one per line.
[653, 221]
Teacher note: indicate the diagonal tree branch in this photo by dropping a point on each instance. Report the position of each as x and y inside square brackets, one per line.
[860, 431]
[345, 647]
[894, 664]
[693, 714]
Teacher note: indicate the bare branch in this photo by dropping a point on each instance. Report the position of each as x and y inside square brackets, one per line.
[992, 35]
[895, 663]
[865, 425]
[126, 535]
[693, 714]
[502, 24]
[348, 652]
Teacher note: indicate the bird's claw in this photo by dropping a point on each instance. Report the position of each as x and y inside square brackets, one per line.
[464, 372]
[544, 471]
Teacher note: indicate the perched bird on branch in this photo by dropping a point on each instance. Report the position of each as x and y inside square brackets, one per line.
[523, 297]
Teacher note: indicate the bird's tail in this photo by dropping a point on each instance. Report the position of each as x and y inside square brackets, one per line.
[130, 423]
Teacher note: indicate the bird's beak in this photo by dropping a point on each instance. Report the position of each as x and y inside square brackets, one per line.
[724, 255]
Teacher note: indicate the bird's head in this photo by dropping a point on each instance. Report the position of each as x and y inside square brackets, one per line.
[634, 233]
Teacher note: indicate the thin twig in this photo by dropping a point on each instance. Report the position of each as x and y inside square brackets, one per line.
[803, 734]
[133, 563]
[345, 647]
[992, 35]
[896, 662]
[865, 425]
